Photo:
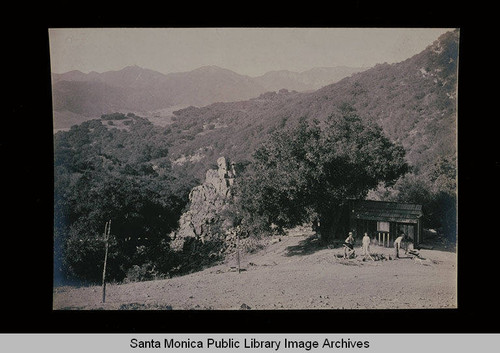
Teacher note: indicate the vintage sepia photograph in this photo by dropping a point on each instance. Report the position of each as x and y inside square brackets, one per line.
[255, 168]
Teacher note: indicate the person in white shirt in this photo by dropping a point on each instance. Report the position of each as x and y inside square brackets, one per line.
[366, 245]
[397, 244]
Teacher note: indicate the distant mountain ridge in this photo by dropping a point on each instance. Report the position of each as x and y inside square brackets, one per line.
[414, 102]
[137, 89]
[307, 80]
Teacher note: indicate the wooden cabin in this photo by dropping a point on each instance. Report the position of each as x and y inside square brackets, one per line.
[385, 221]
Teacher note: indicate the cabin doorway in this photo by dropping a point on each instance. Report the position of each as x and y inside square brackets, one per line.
[408, 230]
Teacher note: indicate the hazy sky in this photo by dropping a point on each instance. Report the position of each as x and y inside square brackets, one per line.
[247, 51]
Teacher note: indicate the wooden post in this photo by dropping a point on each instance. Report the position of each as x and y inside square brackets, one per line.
[238, 249]
[107, 230]
[378, 238]
[383, 240]
[419, 238]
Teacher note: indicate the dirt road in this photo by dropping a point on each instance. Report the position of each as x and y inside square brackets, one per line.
[294, 273]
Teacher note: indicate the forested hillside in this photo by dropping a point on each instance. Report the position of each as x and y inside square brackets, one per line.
[413, 101]
[115, 169]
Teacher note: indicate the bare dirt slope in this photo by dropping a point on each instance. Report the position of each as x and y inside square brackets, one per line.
[294, 273]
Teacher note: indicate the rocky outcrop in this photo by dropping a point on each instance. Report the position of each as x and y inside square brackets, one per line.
[204, 219]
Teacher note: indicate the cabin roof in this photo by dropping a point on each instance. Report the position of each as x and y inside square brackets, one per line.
[386, 211]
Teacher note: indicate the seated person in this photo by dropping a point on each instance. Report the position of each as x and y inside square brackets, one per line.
[349, 246]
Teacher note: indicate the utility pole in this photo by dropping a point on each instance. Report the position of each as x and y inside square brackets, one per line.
[107, 230]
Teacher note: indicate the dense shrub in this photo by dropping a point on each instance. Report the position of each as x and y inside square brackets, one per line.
[122, 176]
[113, 116]
[143, 272]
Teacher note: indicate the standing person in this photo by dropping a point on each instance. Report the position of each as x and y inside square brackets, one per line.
[366, 243]
[397, 245]
[349, 246]
[366, 246]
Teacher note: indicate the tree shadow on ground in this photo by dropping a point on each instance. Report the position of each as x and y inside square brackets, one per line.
[440, 246]
[306, 247]
[437, 241]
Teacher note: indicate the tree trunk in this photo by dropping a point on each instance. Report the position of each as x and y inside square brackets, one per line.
[325, 229]
[331, 226]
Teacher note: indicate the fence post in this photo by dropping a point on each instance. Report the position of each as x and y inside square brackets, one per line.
[107, 230]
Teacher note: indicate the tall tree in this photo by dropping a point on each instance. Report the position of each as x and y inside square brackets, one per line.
[308, 173]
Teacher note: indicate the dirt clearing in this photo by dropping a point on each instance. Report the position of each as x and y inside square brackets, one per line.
[293, 273]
